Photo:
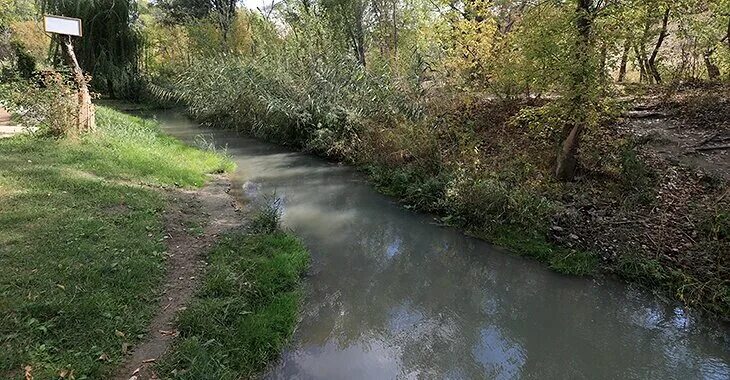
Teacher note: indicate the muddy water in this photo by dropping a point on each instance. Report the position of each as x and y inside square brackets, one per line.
[393, 296]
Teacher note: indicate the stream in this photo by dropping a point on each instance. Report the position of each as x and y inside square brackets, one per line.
[392, 295]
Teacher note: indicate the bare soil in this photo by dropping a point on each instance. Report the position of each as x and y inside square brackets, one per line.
[193, 221]
[692, 129]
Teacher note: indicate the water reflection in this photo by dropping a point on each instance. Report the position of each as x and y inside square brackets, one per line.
[393, 296]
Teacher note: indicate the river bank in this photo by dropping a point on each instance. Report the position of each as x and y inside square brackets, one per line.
[392, 294]
[643, 207]
[104, 240]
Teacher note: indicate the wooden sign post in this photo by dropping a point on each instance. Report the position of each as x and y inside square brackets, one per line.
[67, 27]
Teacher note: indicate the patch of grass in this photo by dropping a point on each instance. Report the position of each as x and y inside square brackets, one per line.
[245, 310]
[711, 295]
[268, 217]
[533, 244]
[637, 179]
[81, 244]
[415, 190]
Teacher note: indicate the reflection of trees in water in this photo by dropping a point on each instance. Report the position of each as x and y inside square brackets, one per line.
[393, 284]
[442, 305]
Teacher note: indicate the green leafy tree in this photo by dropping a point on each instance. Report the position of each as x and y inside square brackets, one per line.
[348, 17]
[222, 11]
[111, 46]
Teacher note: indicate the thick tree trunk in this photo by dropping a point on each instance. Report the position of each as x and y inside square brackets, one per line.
[85, 120]
[662, 35]
[581, 80]
[624, 61]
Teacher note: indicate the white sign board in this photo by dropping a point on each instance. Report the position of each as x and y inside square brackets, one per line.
[62, 25]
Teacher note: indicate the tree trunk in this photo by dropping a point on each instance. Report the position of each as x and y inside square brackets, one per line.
[581, 80]
[641, 50]
[567, 161]
[85, 120]
[662, 35]
[640, 62]
[395, 32]
[624, 61]
[713, 72]
[727, 36]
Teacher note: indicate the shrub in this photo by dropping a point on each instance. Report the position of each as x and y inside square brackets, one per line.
[267, 218]
[48, 103]
[483, 201]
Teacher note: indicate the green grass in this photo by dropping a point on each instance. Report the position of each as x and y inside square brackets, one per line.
[514, 217]
[533, 244]
[244, 312]
[81, 244]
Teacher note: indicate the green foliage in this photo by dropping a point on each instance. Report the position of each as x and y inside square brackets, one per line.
[294, 99]
[25, 63]
[716, 224]
[48, 106]
[486, 200]
[244, 312]
[532, 244]
[111, 47]
[267, 218]
[81, 243]
[712, 295]
[545, 123]
[634, 172]
[414, 188]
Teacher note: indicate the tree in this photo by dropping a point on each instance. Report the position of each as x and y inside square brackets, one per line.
[348, 17]
[662, 35]
[180, 11]
[85, 118]
[111, 47]
[624, 61]
[582, 79]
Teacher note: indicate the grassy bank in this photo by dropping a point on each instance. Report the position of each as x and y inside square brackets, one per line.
[245, 310]
[81, 242]
[487, 166]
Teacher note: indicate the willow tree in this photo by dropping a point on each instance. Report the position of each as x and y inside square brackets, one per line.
[111, 46]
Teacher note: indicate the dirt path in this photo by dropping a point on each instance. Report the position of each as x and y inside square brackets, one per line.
[193, 221]
[672, 140]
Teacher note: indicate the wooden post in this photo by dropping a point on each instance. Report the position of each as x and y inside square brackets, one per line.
[85, 111]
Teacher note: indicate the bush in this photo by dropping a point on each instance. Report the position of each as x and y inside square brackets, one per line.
[267, 218]
[484, 201]
[25, 62]
[47, 103]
